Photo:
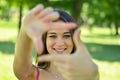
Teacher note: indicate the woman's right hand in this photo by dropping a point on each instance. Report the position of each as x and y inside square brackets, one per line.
[78, 66]
[38, 21]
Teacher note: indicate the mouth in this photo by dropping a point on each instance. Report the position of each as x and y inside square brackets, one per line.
[59, 50]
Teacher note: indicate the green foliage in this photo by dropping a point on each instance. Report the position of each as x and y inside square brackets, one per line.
[104, 11]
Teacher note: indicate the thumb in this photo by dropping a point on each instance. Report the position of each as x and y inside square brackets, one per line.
[80, 47]
[76, 38]
[78, 43]
[38, 44]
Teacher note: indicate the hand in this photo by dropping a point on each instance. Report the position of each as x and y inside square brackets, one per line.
[77, 66]
[38, 21]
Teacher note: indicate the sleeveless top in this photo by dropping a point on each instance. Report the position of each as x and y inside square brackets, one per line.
[38, 73]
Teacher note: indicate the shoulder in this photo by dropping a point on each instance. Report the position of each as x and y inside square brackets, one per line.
[32, 73]
[43, 75]
[39, 74]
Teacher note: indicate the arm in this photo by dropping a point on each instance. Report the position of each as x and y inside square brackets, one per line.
[22, 65]
[23, 56]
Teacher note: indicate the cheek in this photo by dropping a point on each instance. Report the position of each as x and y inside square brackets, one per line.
[70, 44]
[49, 44]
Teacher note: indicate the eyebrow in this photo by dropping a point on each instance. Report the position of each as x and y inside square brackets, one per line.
[51, 33]
[66, 32]
[55, 33]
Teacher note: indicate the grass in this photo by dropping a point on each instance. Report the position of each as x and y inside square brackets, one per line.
[105, 50]
[6, 71]
[8, 33]
[102, 44]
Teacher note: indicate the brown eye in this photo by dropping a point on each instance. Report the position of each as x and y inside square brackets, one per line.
[67, 36]
[52, 36]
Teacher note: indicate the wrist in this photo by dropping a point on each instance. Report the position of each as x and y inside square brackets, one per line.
[23, 35]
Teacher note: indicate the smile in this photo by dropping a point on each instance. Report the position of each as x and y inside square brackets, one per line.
[59, 50]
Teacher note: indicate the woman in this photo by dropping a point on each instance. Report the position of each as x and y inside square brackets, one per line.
[52, 32]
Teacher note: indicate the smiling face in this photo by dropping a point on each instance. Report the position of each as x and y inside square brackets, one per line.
[59, 41]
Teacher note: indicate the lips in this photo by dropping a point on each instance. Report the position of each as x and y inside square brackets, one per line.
[59, 50]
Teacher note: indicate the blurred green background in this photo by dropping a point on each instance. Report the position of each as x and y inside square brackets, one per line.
[99, 21]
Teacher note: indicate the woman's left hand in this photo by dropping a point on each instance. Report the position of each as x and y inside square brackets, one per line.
[77, 66]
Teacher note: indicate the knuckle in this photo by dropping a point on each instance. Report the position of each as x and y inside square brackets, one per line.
[56, 13]
[40, 6]
[50, 8]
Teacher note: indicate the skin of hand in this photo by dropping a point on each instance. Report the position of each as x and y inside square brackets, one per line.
[77, 66]
[38, 21]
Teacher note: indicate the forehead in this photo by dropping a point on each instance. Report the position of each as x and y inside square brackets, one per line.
[59, 29]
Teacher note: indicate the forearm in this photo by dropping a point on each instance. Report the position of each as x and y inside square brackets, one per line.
[23, 54]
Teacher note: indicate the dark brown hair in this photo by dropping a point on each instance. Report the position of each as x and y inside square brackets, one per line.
[66, 18]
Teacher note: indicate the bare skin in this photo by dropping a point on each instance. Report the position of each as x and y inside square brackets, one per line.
[38, 21]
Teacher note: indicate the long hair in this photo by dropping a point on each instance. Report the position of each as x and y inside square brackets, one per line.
[66, 18]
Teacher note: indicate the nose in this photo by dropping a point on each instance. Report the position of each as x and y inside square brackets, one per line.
[60, 42]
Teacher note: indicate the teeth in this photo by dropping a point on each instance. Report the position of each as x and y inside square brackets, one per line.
[60, 51]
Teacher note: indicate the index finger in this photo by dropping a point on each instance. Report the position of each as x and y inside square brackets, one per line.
[37, 9]
[59, 25]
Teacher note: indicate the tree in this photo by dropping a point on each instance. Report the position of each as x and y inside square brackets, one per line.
[105, 12]
[5, 8]
[20, 13]
[73, 8]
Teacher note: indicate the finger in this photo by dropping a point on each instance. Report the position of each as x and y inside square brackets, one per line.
[78, 43]
[60, 25]
[45, 12]
[76, 38]
[37, 9]
[52, 57]
[80, 47]
[51, 17]
[38, 44]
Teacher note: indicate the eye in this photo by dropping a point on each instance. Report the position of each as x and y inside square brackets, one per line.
[52, 36]
[67, 36]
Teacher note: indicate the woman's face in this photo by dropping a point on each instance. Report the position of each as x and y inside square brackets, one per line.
[59, 41]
